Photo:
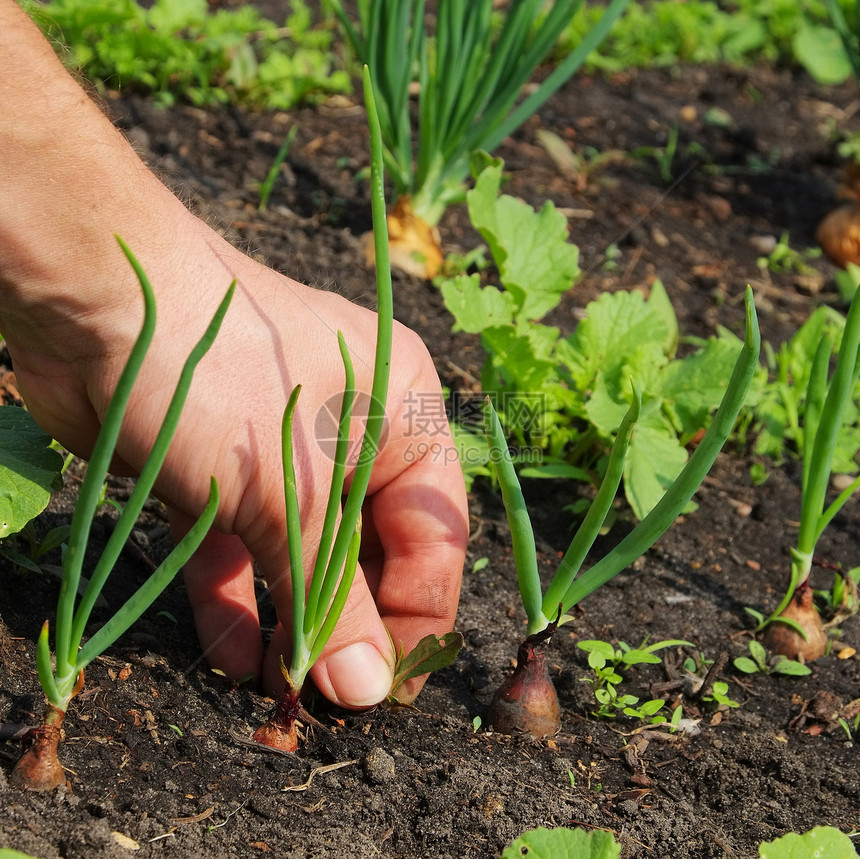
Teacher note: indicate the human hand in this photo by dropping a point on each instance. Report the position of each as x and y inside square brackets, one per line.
[276, 334]
[70, 309]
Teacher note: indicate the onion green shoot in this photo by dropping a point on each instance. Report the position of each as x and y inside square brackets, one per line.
[527, 701]
[827, 398]
[63, 680]
[568, 587]
[471, 75]
[315, 613]
[315, 618]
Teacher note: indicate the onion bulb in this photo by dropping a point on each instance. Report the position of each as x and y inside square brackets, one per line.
[527, 701]
[781, 638]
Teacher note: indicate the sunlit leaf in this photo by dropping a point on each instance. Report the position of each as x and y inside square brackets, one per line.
[564, 843]
[29, 469]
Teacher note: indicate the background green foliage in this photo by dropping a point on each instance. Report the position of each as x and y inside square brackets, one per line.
[177, 49]
[666, 32]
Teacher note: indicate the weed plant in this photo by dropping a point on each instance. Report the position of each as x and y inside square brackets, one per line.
[563, 399]
[821, 841]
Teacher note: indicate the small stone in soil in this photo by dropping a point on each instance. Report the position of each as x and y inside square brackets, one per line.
[379, 766]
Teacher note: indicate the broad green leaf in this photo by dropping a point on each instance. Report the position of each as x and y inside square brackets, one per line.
[430, 654]
[556, 470]
[601, 649]
[791, 668]
[825, 842]
[847, 445]
[822, 54]
[474, 307]
[473, 452]
[176, 15]
[745, 664]
[635, 657]
[29, 469]
[824, 321]
[649, 708]
[615, 327]
[603, 410]
[564, 843]
[693, 387]
[654, 459]
[537, 264]
[659, 302]
[519, 358]
[758, 652]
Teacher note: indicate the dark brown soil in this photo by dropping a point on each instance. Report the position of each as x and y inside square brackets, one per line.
[155, 745]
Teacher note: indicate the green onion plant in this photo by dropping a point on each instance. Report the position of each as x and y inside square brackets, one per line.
[470, 78]
[39, 768]
[317, 609]
[795, 628]
[527, 700]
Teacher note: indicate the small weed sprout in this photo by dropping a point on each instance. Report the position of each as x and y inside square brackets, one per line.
[784, 258]
[62, 679]
[759, 662]
[527, 700]
[268, 183]
[605, 660]
[719, 695]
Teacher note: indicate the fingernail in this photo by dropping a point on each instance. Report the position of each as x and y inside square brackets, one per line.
[359, 675]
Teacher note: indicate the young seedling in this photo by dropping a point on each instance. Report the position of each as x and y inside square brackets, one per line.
[758, 662]
[274, 171]
[527, 700]
[316, 611]
[851, 727]
[471, 74]
[606, 660]
[719, 695]
[39, 767]
[795, 628]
